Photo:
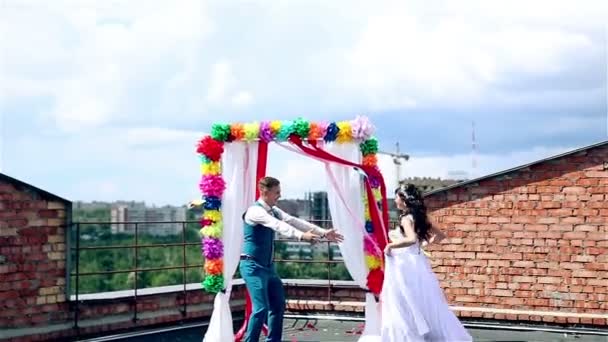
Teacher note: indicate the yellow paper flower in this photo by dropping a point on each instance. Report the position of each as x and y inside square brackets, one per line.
[373, 262]
[345, 133]
[275, 126]
[377, 194]
[252, 131]
[213, 215]
[368, 215]
[211, 168]
[214, 230]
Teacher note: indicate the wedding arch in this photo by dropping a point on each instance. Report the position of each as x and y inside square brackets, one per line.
[234, 158]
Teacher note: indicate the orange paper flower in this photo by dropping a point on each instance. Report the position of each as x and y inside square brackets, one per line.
[316, 131]
[237, 131]
[215, 266]
[370, 160]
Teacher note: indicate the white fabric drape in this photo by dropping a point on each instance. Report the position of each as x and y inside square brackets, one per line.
[239, 167]
[347, 213]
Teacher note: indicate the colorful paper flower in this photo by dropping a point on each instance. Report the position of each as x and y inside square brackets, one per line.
[213, 283]
[206, 222]
[370, 247]
[370, 160]
[220, 131]
[212, 185]
[285, 131]
[212, 203]
[369, 146]
[275, 126]
[214, 231]
[212, 248]
[214, 266]
[211, 168]
[210, 148]
[373, 262]
[316, 131]
[213, 215]
[344, 132]
[331, 133]
[266, 133]
[252, 131]
[361, 128]
[301, 128]
[374, 280]
[237, 131]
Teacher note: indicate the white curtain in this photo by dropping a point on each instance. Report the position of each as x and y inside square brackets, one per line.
[347, 213]
[239, 166]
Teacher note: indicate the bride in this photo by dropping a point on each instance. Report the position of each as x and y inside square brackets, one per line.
[414, 307]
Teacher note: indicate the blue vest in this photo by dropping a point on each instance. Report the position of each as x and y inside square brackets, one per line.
[259, 240]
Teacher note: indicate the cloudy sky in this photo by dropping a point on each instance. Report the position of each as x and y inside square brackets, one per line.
[105, 100]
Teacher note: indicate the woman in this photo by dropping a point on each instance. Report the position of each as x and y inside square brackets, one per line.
[414, 307]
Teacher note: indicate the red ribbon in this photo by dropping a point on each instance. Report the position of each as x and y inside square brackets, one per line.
[260, 173]
[380, 224]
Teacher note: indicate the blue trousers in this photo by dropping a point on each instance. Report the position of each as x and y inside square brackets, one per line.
[267, 298]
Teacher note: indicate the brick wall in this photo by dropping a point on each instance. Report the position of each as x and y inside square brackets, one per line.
[531, 240]
[32, 257]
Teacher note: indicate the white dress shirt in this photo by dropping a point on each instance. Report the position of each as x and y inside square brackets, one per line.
[286, 224]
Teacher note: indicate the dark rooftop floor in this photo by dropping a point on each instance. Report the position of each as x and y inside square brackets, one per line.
[307, 330]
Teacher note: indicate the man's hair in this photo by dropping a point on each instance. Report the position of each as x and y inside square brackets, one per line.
[268, 183]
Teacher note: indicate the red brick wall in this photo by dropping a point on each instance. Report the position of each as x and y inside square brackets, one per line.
[535, 239]
[32, 258]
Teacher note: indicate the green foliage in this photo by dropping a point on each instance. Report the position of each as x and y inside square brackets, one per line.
[120, 258]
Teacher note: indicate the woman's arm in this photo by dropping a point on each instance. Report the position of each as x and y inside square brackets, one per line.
[436, 235]
[410, 235]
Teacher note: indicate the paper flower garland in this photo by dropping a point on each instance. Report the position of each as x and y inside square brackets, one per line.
[212, 185]
[360, 128]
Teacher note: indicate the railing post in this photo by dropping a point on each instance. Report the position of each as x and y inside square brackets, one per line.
[77, 309]
[185, 264]
[136, 252]
[329, 259]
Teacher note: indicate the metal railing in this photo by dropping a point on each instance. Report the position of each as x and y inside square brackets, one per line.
[77, 247]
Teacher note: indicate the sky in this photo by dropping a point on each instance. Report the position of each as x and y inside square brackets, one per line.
[106, 100]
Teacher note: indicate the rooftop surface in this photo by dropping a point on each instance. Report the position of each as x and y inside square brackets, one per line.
[309, 330]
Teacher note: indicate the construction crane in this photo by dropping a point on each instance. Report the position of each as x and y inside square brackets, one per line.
[398, 158]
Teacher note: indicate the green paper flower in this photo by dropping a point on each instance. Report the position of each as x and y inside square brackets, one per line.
[285, 131]
[220, 131]
[214, 283]
[301, 128]
[369, 146]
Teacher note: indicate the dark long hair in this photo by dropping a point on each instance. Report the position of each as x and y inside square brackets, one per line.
[415, 206]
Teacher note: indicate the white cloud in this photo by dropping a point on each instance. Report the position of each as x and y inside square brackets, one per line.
[100, 54]
[223, 89]
[155, 136]
[222, 80]
[422, 56]
[117, 75]
[187, 58]
[242, 99]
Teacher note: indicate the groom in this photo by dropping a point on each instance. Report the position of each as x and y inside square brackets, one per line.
[261, 221]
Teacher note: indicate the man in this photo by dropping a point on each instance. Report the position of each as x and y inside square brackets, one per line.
[261, 221]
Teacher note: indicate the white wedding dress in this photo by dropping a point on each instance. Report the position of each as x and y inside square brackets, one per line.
[414, 308]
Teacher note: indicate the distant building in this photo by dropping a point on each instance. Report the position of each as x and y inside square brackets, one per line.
[319, 206]
[155, 221]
